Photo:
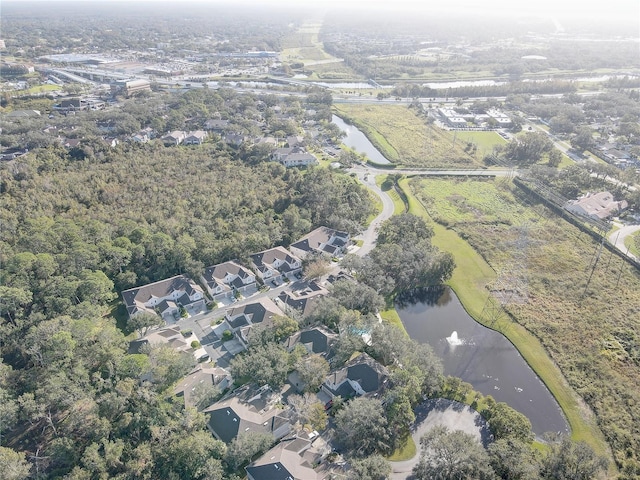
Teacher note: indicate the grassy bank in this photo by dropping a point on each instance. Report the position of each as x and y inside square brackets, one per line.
[406, 139]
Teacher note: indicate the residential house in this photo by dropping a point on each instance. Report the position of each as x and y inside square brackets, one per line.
[174, 338]
[302, 299]
[292, 459]
[234, 139]
[164, 297]
[293, 157]
[295, 140]
[12, 153]
[196, 137]
[111, 141]
[316, 340]
[140, 138]
[303, 159]
[224, 279]
[202, 376]
[281, 153]
[272, 142]
[275, 264]
[240, 320]
[248, 409]
[144, 135]
[70, 105]
[174, 138]
[70, 142]
[361, 376]
[322, 240]
[216, 125]
[599, 205]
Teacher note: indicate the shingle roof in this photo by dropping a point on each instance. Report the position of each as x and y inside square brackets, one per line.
[135, 298]
[267, 257]
[369, 374]
[215, 275]
[284, 462]
[246, 410]
[322, 239]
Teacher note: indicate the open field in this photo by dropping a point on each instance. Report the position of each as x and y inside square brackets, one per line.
[304, 46]
[588, 331]
[485, 141]
[405, 139]
[337, 70]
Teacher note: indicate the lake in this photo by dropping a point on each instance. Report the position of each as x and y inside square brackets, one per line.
[480, 356]
[358, 141]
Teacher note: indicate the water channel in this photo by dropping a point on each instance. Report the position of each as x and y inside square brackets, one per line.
[480, 356]
[357, 140]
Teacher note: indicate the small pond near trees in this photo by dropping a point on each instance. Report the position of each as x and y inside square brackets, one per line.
[478, 355]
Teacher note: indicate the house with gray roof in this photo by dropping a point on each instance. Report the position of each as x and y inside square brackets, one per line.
[292, 459]
[275, 263]
[196, 137]
[316, 340]
[360, 376]
[174, 138]
[203, 376]
[302, 299]
[248, 409]
[216, 125]
[224, 279]
[173, 337]
[164, 297]
[294, 156]
[240, 320]
[322, 240]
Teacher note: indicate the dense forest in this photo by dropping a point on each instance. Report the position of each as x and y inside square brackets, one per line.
[76, 230]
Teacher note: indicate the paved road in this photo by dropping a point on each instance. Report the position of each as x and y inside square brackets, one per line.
[200, 324]
[454, 415]
[371, 233]
[358, 169]
[618, 237]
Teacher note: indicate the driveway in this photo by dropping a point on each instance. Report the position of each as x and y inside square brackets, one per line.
[431, 413]
[618, 237]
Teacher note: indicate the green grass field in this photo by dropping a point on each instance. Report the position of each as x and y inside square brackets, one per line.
[485, 141]
[586, 332]
[406, 139]
[631, 242]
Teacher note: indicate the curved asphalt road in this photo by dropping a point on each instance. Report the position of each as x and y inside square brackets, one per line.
[617, 238]
[367, 175]
[431, 413]
[371, 233]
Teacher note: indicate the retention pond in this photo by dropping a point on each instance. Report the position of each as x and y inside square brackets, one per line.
[480, 356]
[358, 141]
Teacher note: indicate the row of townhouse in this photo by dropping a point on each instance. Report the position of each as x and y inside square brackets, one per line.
[228, 279]
[178, 137]
[253, 408]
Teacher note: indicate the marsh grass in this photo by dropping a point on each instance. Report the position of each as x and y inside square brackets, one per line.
[586, 331]
[406, 139]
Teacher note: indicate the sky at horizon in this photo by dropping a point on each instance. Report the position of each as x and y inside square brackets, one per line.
[624, 10]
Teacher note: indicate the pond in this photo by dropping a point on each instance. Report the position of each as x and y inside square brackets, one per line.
[480, 356]
[357, 140]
